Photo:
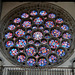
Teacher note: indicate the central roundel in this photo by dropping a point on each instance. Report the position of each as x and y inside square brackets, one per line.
[37, 35]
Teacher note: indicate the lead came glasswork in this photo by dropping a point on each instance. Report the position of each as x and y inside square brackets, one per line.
[17, 20]
[43, 51]
[49, 24]
[43, 13]
[53, 43]
[66, 35]
[31, 61]
[24, 15]
[42, 62]
[61, 52]
[30, 51]
[37, 35]
[26, 24]
[21, 43]
[38, 21]
[65, 44]
[11, 27]
[64, 27]
[13, 52]
[21, 58]
[19, 33]
[33, 13]
[55, 32]
[9, 44]
[52, 58]
[51, 15]
[9, 35]
[59, 20]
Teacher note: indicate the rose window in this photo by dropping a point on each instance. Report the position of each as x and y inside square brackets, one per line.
[37, 34]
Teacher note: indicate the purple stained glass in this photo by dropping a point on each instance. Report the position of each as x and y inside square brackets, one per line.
[49, 24]
[8, 35]
[14, 38]
[42, 62]
[59, 20]
[53, 43]
[55, 33]
[46, 31]
[41, 27]
[20, 33]
[52, 58]
[29, 30]
[31, 61]
[13, 52]
[11, 27]
[37, 43]
[27, 36]
[43, 51]
[17, 20]
[51, 15]
[9, 44]
[24, 15]
[21, 43]
[47, 36]
[33, 13]
[37, 56]
[66, 35]
[26, 24]
[34, 27]
[37, 35]
[61, 52]
[43, 13]
[43, 41]
[30, 51]
[38, 21]
[65, 44]
[21, 58]
[64, 27]
[31, 41]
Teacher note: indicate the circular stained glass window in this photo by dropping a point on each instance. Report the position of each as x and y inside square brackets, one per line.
[37, 34]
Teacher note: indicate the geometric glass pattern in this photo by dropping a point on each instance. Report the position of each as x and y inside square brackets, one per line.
[37, 34]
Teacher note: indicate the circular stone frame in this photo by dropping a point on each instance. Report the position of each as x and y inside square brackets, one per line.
[28, 7]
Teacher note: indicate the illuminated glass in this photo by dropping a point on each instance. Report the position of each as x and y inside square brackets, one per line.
[17, 20]
[38, 21]
[61, 52]
[21, 58]
[26, 24]
[13, 52]
[24, 15]
[51, 15]
[37, 35]
[33, 13]
[9, 35]
[31, 61]
[43, 51]
[20, 33]
[49, 24]
[9, 44]
[59, 20]
[55, 33]
[52, 58]
[66, 35]
[42, 62]
[11, 27]
[43, 13]
[53, 43]
[30, 51]
[21, 43]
